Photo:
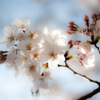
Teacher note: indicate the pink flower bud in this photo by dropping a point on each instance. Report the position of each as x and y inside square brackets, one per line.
[69, 42]
[92, 28]
[94, 17]
[72, 26]
[84, 30]
[70, 32]
[86, 19]
[98, 16]
[87, 33]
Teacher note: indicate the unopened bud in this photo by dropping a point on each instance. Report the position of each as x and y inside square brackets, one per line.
[98, 16]
[72, 26]
[87, 33]
[70, 32]
[92, 28]
[86, 19]
[94, 17]
[70, 44]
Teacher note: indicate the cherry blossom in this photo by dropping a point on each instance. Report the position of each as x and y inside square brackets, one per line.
[10, 38]
[18, 24]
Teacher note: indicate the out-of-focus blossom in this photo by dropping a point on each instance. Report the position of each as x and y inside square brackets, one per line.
[18, 24]
[84, 47]
[20, 37]
[42, 83]
[86, 60]
[10, 38]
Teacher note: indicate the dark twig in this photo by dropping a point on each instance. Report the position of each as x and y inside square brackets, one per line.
[96, 82]
[90, 94]
[97, 48]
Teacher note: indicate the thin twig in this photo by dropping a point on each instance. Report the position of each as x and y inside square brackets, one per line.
[97, 48]
[90, 94]
[96, 82]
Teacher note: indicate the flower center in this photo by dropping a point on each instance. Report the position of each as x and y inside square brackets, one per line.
[25, 59]
[86, 47]
[41, 79]
[32, 34]
[36, 55]
[52, 55]
[29, 47]
[22, 26]
[11, 38]
[31, 68]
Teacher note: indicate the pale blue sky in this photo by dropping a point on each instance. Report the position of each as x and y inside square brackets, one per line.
[55, 14]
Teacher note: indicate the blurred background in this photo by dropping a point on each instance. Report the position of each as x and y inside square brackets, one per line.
[54, 14]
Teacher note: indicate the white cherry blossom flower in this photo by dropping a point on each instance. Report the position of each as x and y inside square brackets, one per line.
[84, 47]
[54, 37]
[54, 55]
[18, 24]
[22, 58]
[86, 60]
[27, 45]
[37, 54]
[31, 70]
[10, 61]
[10, 38]
[32, 32]
[41, 83]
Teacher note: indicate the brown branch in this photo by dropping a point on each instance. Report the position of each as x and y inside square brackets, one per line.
[96, 82]
[97, 48]
[90, 94]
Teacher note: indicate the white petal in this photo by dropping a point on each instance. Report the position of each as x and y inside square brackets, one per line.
[7, 31]
[52, 64]
[27, 21]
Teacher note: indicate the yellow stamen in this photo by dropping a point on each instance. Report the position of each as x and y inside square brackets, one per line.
[32, 34]
[86, 47]
[25, 59]
[31, 68]
[52, 55]
[29, 47]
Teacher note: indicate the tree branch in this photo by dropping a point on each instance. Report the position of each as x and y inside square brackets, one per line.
[90, 94]
[96, 82]
[97, 48]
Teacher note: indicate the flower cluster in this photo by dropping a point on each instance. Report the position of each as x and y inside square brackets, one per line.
[32, 52]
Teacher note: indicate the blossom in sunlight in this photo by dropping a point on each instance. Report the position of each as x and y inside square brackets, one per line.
[18, 24]
[54, 37]
[32, 32]
[10, 38]
[53, 55]
[84, 47]
[86, 60]
[41, 83]
[27, 45]
[31, 71]
[10, 61]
